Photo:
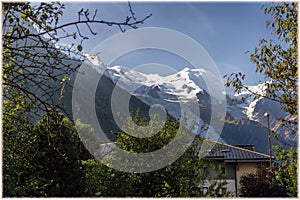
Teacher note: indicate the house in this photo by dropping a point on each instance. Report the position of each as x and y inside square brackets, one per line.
[238, 160]
[232, 161]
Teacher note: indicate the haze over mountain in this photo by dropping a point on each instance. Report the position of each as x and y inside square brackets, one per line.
[244, 123]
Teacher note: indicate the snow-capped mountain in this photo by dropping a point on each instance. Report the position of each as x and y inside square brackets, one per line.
[244, 116]
[178, 93]
[246, 106]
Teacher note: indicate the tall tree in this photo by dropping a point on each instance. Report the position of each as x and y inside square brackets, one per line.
[277, 60]
[35, 72]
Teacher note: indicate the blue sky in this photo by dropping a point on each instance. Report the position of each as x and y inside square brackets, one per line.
[225, 30]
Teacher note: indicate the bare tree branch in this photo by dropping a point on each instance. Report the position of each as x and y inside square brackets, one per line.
[33, 63]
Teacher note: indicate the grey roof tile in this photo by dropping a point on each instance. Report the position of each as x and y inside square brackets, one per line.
[230, 153]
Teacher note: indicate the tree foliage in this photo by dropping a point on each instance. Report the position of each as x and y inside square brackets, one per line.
[286, 169]
[18, 146]
[58, 159]
[261, 184]
[183, 178]
[43, 159]
[277, 60]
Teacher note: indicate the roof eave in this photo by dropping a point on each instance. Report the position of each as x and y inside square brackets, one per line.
[247, 161]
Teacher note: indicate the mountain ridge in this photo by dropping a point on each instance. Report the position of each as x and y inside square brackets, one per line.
[181, 86]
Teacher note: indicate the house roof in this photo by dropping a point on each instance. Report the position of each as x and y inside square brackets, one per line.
[231, 153]
[220, 151]
[246, 146]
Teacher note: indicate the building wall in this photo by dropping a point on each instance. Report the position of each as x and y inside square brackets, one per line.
[230, 186]
[241, 169]
[230, 177]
